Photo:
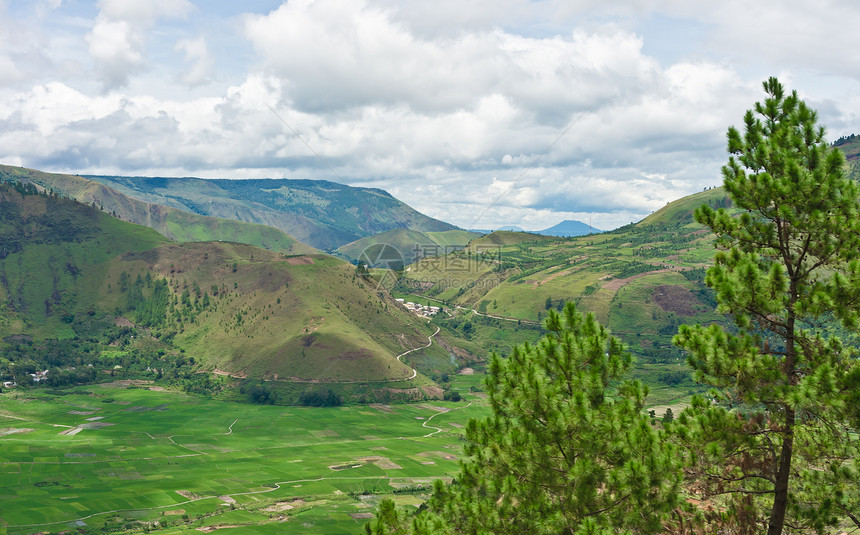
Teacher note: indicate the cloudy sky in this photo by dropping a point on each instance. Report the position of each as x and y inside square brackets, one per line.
[482, 113]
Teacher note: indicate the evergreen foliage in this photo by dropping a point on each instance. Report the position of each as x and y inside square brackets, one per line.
[318, 398]
[568, 447]
[774, 450]
[261, 393]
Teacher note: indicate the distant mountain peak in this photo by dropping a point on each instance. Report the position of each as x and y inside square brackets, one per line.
[569, 227]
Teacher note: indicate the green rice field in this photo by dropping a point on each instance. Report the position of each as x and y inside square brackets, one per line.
[133, 457]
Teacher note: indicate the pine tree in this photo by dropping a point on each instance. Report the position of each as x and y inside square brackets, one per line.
[776, 445]
[568, 447]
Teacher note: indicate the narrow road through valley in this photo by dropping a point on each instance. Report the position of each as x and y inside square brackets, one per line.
[429, 343]
[439, 429]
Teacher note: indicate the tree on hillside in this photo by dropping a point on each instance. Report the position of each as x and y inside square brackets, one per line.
[775, 447]
[567, 449]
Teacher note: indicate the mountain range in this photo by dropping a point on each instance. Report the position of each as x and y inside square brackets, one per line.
[322, 214]
[567, 228]
[71, 271]
[250, 301]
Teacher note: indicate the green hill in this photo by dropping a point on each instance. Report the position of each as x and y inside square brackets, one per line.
[323, 214]
[170, 222]
[507, 237]
[301, 317]
[681, 211]
[68, 271]
[48, 245]
[641, 280]
[850, 146]
[407, 245]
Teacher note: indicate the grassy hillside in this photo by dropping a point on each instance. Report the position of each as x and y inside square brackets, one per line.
[170, 222]
[641, 280]
[681, 211]
[850, 146]
[452, 238]
[70, 271]
[47, 245]
[296, 317]
[507, 237]
[323, 214]
[407, 245]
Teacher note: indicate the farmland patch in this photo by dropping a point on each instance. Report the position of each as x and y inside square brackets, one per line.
[677, 299]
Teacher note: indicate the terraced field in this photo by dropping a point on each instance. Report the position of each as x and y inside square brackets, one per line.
[642, 281]
[132, 456]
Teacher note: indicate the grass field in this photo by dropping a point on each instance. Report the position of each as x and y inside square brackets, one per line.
[127, 457]
[133, 457]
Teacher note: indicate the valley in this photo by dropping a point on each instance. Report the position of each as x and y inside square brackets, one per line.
[640, 280]
[200, 355]
[407, 268]
[251, 314]
[194, 374]
[129, 455]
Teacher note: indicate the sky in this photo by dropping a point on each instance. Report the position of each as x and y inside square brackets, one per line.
[484, 113]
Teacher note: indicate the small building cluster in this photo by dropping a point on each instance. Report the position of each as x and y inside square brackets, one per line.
[421, 310]
[39, 376]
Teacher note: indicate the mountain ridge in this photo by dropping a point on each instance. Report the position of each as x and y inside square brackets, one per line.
[321, 213]
[70, 271]
[170, 222]
[406, 246]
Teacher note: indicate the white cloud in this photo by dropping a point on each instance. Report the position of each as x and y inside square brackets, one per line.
[44, 7]
[444, 105]
[52, 106]
[146, 11]
[344, 53]
[341, 54]
[118, 36]
[117, 48]
[9, 71]
[819, 36]
[199, 61]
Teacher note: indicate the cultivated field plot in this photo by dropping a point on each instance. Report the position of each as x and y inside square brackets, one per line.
[131, 458]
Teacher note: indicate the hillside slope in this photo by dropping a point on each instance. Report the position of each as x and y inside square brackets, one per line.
[407, 245]
[68, 270]
[681, 211]
[641, 280]
[47, 244]
[323, 214]
[850, 146]
[170, 222]
[265, 315]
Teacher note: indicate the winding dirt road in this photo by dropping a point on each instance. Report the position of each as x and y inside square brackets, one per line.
[429, 343]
